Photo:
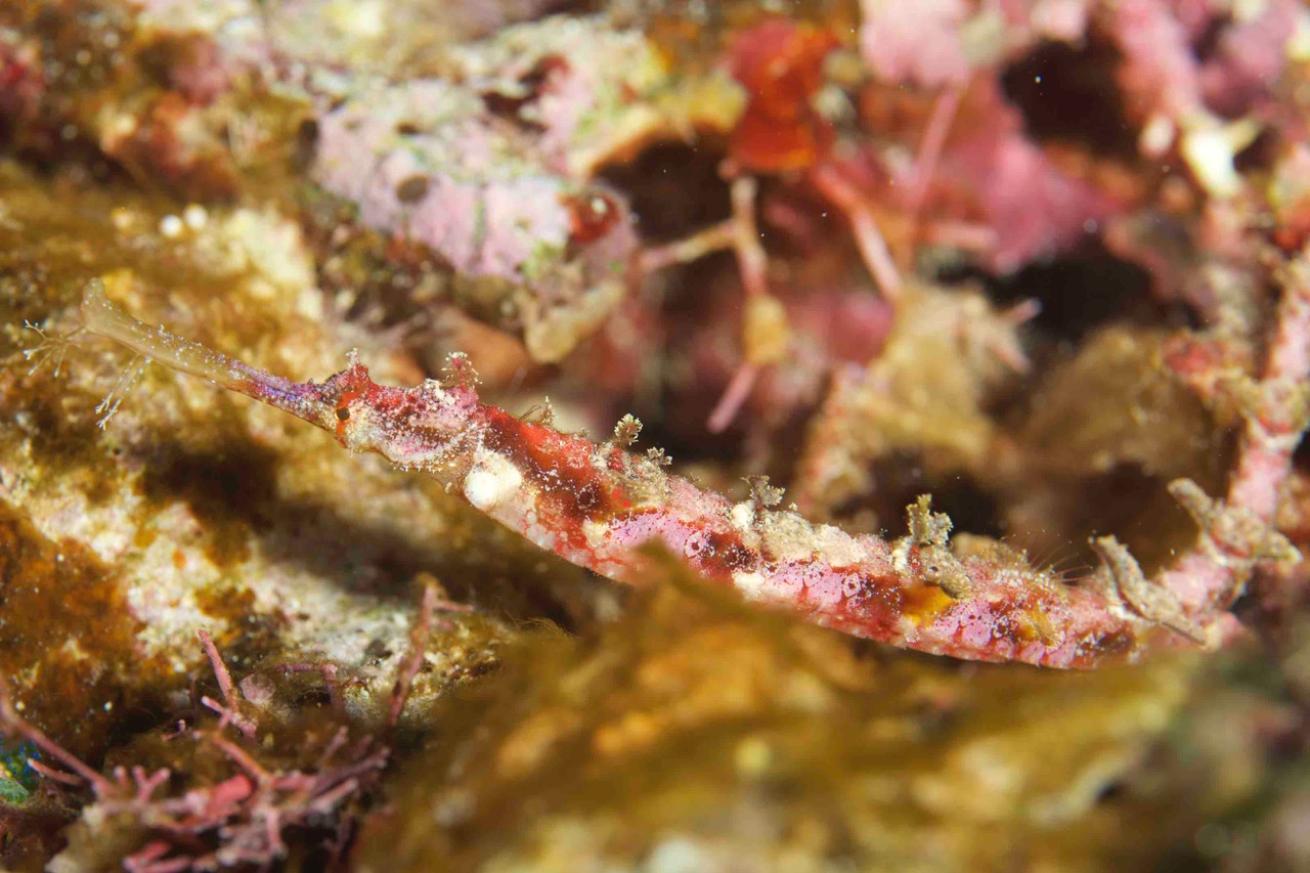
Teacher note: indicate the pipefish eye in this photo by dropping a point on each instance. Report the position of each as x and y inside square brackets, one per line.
[343, 413]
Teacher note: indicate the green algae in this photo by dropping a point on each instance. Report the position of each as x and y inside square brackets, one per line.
[68, 641]
[17, 778]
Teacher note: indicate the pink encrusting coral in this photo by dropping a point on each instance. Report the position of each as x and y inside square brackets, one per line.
[597, 505]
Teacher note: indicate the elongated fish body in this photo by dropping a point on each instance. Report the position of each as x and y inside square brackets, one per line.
[596, 505]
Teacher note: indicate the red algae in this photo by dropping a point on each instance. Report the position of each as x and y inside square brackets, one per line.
[779, 63]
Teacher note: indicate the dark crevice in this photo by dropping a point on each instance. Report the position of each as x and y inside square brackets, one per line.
[674, 189]
[1080, 293]
[1069, 93]
[901, 479]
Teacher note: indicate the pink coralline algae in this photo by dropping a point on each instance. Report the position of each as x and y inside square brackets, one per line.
[1033, 207]
[923, 46]
[423, 161]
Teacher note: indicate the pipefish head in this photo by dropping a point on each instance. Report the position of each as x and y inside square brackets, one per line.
[416, 426]
[419, 426]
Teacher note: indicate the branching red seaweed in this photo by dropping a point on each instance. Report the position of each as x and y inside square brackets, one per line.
[239, 821]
